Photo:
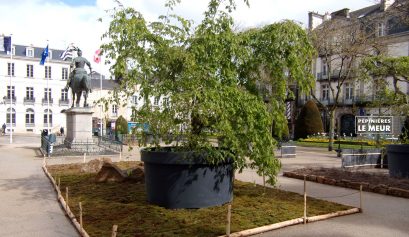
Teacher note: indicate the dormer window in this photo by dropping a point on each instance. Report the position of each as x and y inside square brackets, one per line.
[50, 55]
[30, 52]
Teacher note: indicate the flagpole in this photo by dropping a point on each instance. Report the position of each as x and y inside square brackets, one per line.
[11, 94]
[48, 95]
[100, 93]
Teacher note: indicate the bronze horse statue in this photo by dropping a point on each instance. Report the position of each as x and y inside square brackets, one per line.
[79, 81]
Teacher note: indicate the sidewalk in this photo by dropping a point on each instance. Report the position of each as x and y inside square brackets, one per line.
[382, 215]
[28, 204]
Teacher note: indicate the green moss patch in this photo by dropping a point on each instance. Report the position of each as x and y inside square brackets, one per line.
[124, 204]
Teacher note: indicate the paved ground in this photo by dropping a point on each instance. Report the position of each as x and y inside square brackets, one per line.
[383, 215]
[28, 204]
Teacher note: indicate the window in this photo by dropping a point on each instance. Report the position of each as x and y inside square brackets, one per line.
[114, 110]
[325, 92]
[47, 93]
[324, 69]
[349, 91]
[30, 93]
[30, 70]
[10, 69]
[156, 101]
[48, 72]
[48, 117]
[134, 99]
[13, 116]
[30, 116]
[50, 55]
[10, 92]
[380, 29]
[30, 52]
[166, 102]
[64, 73]
[64, 94]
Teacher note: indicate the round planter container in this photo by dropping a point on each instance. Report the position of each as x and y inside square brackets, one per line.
[181, 180]
[398, 160]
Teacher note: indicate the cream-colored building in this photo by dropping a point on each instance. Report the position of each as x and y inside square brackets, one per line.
[355, 96]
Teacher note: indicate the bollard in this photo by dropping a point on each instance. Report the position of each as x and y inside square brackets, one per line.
[66, 196]
[360, 197]
[80, 215]
[228, 220]
[114, 230]
[305, 199]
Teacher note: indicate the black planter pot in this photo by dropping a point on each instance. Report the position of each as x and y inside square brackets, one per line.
[398, 160]
[182, 180]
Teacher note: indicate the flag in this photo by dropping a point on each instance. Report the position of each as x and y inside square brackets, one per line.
[97, 56]
[44, 55]
[7, 43]
[68, 53]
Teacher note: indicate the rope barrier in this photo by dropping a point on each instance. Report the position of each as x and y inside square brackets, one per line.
[338, 196]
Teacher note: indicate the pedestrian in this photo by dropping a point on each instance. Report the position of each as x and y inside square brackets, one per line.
[62, 131]
[3, 129]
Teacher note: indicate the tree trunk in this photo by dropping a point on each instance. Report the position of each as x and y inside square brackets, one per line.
[331, 129]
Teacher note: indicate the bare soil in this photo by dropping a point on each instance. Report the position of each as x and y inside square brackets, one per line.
[374, 177]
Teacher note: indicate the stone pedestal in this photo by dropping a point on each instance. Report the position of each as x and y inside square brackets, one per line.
[79, 127]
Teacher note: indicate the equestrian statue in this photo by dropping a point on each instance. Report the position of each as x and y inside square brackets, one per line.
[79, 81]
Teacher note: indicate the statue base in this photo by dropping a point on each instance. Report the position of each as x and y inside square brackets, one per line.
[79, 127]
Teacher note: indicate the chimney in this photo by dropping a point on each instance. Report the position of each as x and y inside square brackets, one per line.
[341, 13]
[385, 4]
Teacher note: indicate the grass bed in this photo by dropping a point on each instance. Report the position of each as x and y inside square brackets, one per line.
[124, 204]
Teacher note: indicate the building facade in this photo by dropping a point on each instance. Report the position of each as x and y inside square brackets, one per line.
[375, 30]
[32, 96]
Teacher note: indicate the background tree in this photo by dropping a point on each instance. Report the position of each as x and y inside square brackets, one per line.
[342, 43]
[309, 121]
[121, 125]
[208, 74]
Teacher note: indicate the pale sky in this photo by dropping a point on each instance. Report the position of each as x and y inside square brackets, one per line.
[75, 21]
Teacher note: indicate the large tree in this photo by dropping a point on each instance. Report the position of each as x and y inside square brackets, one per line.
[342, 43]
[208, 75]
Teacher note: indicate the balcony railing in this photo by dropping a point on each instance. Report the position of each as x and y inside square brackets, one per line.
[8, 100]
[63, 102]
[45, 101]
[29, 100]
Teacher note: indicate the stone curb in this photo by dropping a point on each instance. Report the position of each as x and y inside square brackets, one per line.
[262, 229]
[380, 188]
[64, 205]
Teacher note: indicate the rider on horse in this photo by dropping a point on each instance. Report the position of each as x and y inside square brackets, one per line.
[79, 63]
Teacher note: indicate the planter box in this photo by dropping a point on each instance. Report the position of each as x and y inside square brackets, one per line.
[398, 160]
[352, 158]
[288, 150]
[182, 180]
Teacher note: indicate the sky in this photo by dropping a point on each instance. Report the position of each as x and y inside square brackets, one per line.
[61, 22]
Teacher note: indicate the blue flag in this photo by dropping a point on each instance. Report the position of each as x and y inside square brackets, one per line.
[7, 43]
[44, 55]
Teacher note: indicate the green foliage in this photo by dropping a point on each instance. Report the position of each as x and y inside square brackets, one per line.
[376, 69]
[121, 125]
[404, 136]
[211, 77]
[309, 121]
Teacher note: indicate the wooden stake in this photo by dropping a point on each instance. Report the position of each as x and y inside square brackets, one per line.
[305, 199]
[80, 215]
[59, 183]
[85, 154]
[114, 230]
[360, 197]
[264, 183]
[228, 220]
[66, 196]
[120, 155]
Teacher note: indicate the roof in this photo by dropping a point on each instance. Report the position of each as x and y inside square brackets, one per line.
[20, 51]
[366, 11]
